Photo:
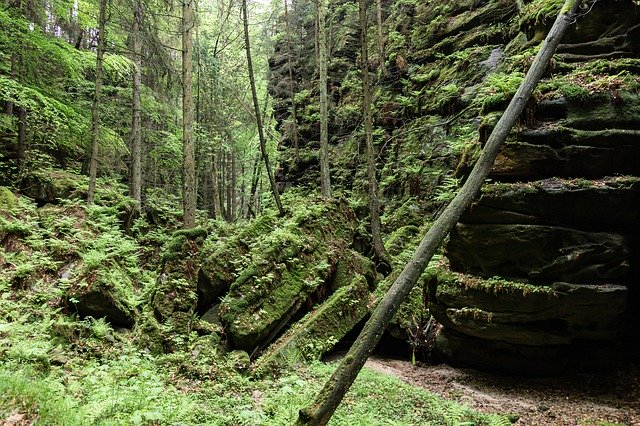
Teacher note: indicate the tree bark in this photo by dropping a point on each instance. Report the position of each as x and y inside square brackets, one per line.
[256, 106]
[95, 109]
[381, 55]
[22, 139]
[335, 388]
[188, 145]
[136, 126]
[292, 93]
[215, 187]
[325, 179]
[374, 204]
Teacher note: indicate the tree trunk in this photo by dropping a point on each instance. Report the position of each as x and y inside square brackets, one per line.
[255, 176]
[22, 139]
[325, 179]
[188, 146]
[234, 186]
[215, 187]
[335, 388]
[229, 181]
[381, 55]
[95, 109]
[136, 126]
[256, 106]
[374, 204]
[292, 93]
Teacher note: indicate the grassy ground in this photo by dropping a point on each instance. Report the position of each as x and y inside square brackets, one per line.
[59, 369]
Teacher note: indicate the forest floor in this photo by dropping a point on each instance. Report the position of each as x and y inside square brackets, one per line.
[573, 399]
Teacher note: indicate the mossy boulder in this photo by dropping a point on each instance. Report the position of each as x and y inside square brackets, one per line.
[319, 331]
[174, 299]
[50, 185]
[286, 270]
[8, 200]
[219, 259]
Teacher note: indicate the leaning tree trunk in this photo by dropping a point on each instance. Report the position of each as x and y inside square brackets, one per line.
[256, 106]
[335, 388]
[374, 205]
[95, 109]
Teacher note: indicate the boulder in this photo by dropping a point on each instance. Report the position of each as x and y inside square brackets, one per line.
[539, 253]
[98, 304]
[319, 331]
[288, 270]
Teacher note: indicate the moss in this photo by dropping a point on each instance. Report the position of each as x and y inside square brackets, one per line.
[319, 331]
[400, 238]
[193, 233]
[455, 282]
[8, 201]
[285, 267]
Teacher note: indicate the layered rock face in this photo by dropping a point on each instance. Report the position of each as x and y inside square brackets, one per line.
[547, 258]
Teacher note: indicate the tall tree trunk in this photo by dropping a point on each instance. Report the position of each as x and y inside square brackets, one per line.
[381, 54]
[188, 145]
[255, 177]
[234, 183]
[8, 106]
[229, 188]
[22, 139]
[335, 388]
[292, 93]
[374, 204]
[215, 187]
[136, 125]
[256, 106]
[95, 109]
[325, 179]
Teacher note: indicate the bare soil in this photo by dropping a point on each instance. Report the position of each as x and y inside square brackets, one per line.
[612, 397]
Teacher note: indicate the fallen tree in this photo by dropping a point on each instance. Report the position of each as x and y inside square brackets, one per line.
[320, 412]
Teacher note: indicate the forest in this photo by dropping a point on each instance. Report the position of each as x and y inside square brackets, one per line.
[310, 212]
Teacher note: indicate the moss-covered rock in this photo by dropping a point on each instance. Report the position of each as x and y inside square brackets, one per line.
[285, 270]
[319, 331]
[8, 200]
[525, 314]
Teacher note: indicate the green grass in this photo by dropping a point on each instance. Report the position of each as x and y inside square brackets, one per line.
[135, 389]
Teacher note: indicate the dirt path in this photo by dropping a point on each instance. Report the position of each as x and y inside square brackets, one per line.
[577, 399]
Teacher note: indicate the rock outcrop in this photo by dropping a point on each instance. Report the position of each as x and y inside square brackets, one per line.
[557, 220]
[548, 256]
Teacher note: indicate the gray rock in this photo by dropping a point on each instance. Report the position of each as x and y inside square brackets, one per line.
[539, 253]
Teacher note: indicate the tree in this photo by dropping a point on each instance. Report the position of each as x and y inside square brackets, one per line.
[381, 55]
[325, 179]
[374, 204]
[136, 126]
[335, 388]
[95, 109]
[256, 107]
[294, 115]
[188, 145]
